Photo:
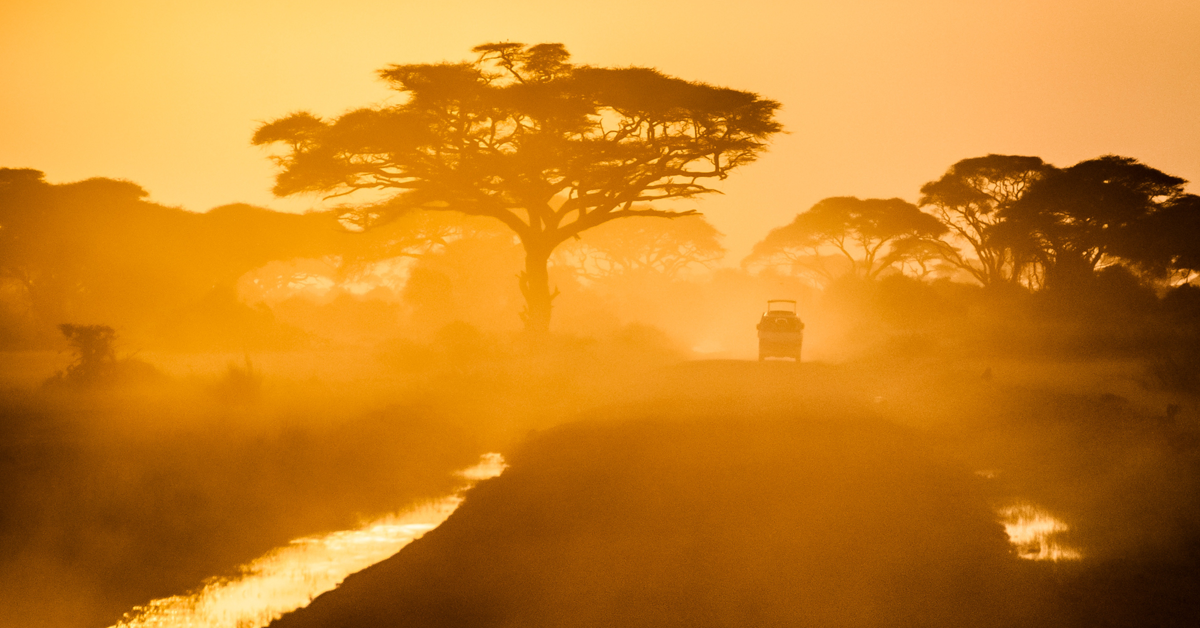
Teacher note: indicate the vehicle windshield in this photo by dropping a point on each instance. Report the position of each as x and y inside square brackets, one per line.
[781, 307]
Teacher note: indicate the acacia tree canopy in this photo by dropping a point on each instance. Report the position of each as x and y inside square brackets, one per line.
[968, 199]
[522, 135]
[1101, 210]
[642, 246]
[862, 231]
[1170, 243]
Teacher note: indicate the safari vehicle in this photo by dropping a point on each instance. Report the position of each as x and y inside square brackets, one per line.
[780, 331]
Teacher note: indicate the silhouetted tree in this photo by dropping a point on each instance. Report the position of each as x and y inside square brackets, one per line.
[478, 269]
[415, 234]
[1167, 243]
[380, 256]
[1099, 212]
[863, 231]
[643, 246]
[520, 134]
[968, 199]
[925, 255]
[95, 355]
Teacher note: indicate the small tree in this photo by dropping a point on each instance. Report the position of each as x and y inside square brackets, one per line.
[863, 233]
[522, 135]
[95, 355]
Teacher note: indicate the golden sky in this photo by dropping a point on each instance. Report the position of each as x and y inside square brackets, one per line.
[879, 96]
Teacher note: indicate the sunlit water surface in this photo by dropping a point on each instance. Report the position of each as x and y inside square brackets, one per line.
[290, 577]
[1034, 532]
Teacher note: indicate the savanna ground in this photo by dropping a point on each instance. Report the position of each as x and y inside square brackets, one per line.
[184, 466]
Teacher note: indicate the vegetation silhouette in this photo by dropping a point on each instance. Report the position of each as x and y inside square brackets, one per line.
[115, 495]
[871, 235]
[99, 250]
[1004, 219]
[968, 199]
[95, 356]
[390, 364]
[520, 134]
[643, 247]
[1097, 212]
[95, 364]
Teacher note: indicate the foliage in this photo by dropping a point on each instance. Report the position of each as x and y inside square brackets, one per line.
[363, 261]
[1099, 212]
[520, 134]
[95, 355]
[1166, 243]
[469, 280]
[968, 199]
[641, 246]
[98, 250]
[415, 234]
[923, 257]
[867, 233]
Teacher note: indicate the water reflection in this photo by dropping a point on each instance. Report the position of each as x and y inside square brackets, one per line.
[1033, 531]
[290, 577]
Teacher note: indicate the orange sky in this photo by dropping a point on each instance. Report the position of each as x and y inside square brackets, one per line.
[879, 96]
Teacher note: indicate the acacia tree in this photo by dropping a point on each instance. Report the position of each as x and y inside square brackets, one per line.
[863, 231]
[968, 199]
[1169, 245]
[638, 246]
[522, 135]
[1101, 211]
[925, 256]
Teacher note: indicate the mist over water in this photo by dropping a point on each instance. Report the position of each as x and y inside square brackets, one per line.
[287, 578]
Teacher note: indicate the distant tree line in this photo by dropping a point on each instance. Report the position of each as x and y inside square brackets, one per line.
[520, 153]
[1003, 219]
[100, 253]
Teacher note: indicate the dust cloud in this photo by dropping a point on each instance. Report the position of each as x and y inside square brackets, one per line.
[184, 392]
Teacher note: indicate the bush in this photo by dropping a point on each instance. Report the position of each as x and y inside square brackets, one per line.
[95, 354]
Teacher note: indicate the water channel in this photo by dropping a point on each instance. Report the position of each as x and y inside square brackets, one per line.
[289, 577]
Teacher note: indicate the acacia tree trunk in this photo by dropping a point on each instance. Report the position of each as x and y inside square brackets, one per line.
[535, 285]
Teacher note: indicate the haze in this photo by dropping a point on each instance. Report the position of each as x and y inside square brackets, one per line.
[645, 314]
[877, 94]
